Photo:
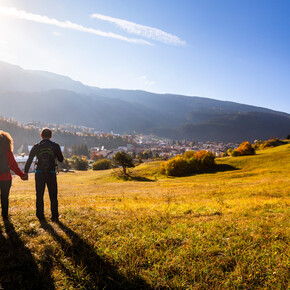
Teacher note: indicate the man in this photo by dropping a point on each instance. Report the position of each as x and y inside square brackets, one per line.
[46, 152]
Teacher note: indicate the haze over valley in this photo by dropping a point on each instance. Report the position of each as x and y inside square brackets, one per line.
[47, 97]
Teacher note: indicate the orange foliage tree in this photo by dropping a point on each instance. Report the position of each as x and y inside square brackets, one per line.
[245, 148]
[188, 163]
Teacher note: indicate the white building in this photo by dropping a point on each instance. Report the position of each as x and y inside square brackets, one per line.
[121, 148]
[21, 161]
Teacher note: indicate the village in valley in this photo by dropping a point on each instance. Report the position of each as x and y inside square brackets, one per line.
[143, 146]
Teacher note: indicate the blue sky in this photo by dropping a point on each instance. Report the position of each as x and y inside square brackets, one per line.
[228, 50]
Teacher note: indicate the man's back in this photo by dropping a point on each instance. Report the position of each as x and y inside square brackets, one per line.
[44, 151]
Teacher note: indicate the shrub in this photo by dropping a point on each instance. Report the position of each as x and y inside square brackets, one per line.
[64, 165]
[206, 158]
[163, 168]
[156, 155]
[194, 165]
[177, 166]
[245, 148]
[258, 144]
[272, 143]
[188, 154]
[188, 163]
[235, 153]
[102, 164]
[80, 163]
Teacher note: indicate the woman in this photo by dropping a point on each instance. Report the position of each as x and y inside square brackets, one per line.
[7, 162]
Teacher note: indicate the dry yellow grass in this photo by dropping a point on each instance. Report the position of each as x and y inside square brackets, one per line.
[228, 229]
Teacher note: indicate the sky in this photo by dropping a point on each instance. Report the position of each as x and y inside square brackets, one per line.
[228, 50]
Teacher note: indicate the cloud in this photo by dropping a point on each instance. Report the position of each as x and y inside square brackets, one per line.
[146, 81]
[20, 14]
[56, 33]
[3, 43]
[142, 30]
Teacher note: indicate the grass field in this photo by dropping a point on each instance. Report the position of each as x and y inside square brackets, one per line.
[223, 230]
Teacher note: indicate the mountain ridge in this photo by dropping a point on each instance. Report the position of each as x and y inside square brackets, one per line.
[50, 97]
[107, 91]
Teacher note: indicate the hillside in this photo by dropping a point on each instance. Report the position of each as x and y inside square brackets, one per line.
[23, 136]
[224, 230]
[47, 97]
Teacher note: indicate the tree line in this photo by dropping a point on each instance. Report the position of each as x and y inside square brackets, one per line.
[23, 136]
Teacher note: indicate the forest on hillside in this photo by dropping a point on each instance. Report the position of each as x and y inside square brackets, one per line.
[27, 136]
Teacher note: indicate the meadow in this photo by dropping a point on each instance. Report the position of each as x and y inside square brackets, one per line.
[227, 229]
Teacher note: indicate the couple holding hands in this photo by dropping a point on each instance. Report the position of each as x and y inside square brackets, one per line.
[47, 152]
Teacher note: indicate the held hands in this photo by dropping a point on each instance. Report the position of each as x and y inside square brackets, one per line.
[25, 177]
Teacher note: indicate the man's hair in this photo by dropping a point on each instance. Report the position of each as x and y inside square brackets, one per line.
[46, 133]
[6, 141]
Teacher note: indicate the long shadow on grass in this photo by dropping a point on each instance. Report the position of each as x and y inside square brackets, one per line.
[18, 268]
[217, 168]
[133, 177]
[137, 178]
[223, 168]
[99, 274]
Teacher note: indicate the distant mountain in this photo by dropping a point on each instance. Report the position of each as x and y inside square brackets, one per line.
[47, 97]
[233, 127]
[14, 78]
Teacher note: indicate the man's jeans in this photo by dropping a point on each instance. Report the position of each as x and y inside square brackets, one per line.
[49, 179]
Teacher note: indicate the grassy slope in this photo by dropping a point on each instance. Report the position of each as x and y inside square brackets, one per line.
[220, 230]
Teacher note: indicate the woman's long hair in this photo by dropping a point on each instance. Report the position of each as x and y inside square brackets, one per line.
[6, 141]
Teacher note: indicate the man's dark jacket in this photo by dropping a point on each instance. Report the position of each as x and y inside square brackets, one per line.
[35, 150]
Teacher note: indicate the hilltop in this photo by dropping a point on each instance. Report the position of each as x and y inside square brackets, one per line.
[51, 98]
[222, 230]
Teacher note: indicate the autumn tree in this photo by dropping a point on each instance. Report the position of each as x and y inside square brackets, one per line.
[245, 148]
[124, 160]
